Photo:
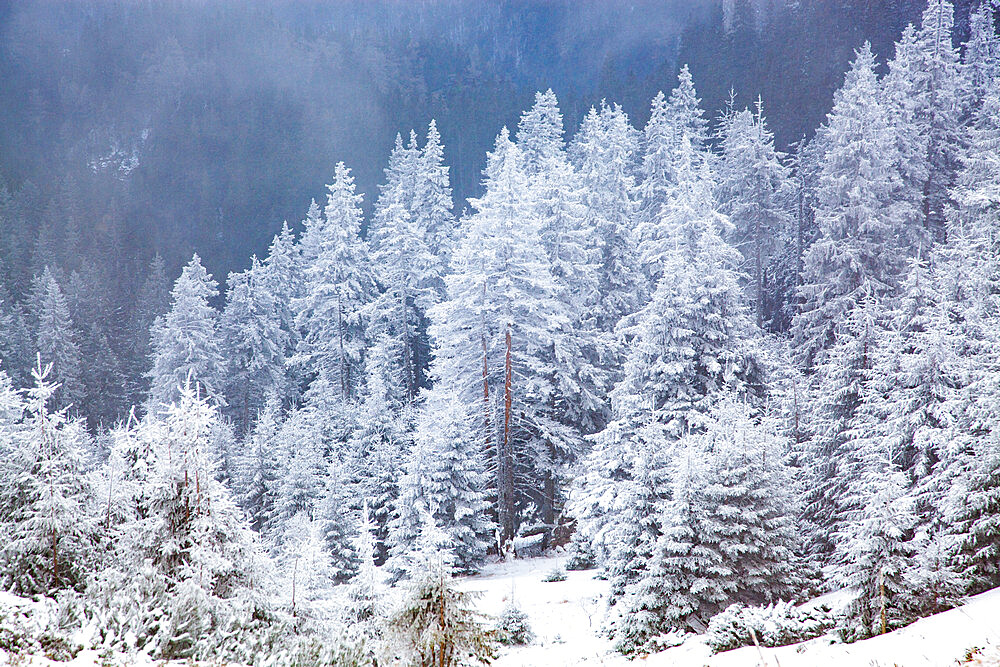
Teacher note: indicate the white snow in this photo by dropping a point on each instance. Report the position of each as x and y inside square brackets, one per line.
[566, 616]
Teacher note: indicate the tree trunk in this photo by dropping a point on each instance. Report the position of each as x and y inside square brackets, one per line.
[882, 603]
[759, 273]
[506, 456]
[411, 379]
[486, 377]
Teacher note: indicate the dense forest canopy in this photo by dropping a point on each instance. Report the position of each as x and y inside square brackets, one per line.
[731, 336]
[192, 125]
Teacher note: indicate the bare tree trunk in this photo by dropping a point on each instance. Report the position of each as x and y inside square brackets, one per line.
[506, 457]
[882, 603]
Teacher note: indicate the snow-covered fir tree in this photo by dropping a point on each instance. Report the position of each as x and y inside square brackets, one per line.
[502, 339]
[186, 566]
[874, 547]
[753, 190]
[558, 198]
[377, 447]
[672, 121]
[604, 151]
[406, 268]
[260, 466]
[339, 284]
[444, 478]
[47, 505]
[56, 342]
[253, 344]
[724, 533]
[832, 455]
[859, 218]
[185, 342]
[689, 347]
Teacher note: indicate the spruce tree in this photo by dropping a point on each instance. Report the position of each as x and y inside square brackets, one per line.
[874, 549]
[753, 188]
[503, 344]
[604, 151]
[253, 343]
[46, 502]
[57, 343]
[444, 477]
[339, 285]
[185, 342]
[858, 215]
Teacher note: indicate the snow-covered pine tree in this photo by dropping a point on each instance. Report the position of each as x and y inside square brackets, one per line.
[558, 198]
[56, 342]
[260, 466]
[303, 562]
[338, 522]
[981, 57]
[860, 219]
[604, 151]
[366, 590]
[444, 478]
[432, 203]
[253, 344]
[377, 447]
[436, 625]
[339, 285]
[753, 190]
[303, 473]
[502, 340]
[689, 346]
[98, 332]
[968, 269]
[874, 544]
[407, 270]
[46, 502]
[153, 301]
[667, 593]
[728, 534]
[671, 121]
[977, 185]
[16, 344]
[281, 277]
[688, 343]
[938, 88]
[903, 105]
[913, 401]
[832, 456]
[974, 511]
[194, 565]
[185, 341]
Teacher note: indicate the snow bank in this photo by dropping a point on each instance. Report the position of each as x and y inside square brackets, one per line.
[567, 616]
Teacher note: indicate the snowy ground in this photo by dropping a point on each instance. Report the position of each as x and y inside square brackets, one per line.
[566, 618]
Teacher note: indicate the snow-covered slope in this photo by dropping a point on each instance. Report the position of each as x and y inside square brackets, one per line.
[566, 617]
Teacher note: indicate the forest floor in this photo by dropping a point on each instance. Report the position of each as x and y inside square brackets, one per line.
[567, 616]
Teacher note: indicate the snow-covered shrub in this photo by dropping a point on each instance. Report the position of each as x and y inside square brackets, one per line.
[774, 625]
[556, 574]
[580, 557]
[32, 628]
[318, 651]
[512, 627]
